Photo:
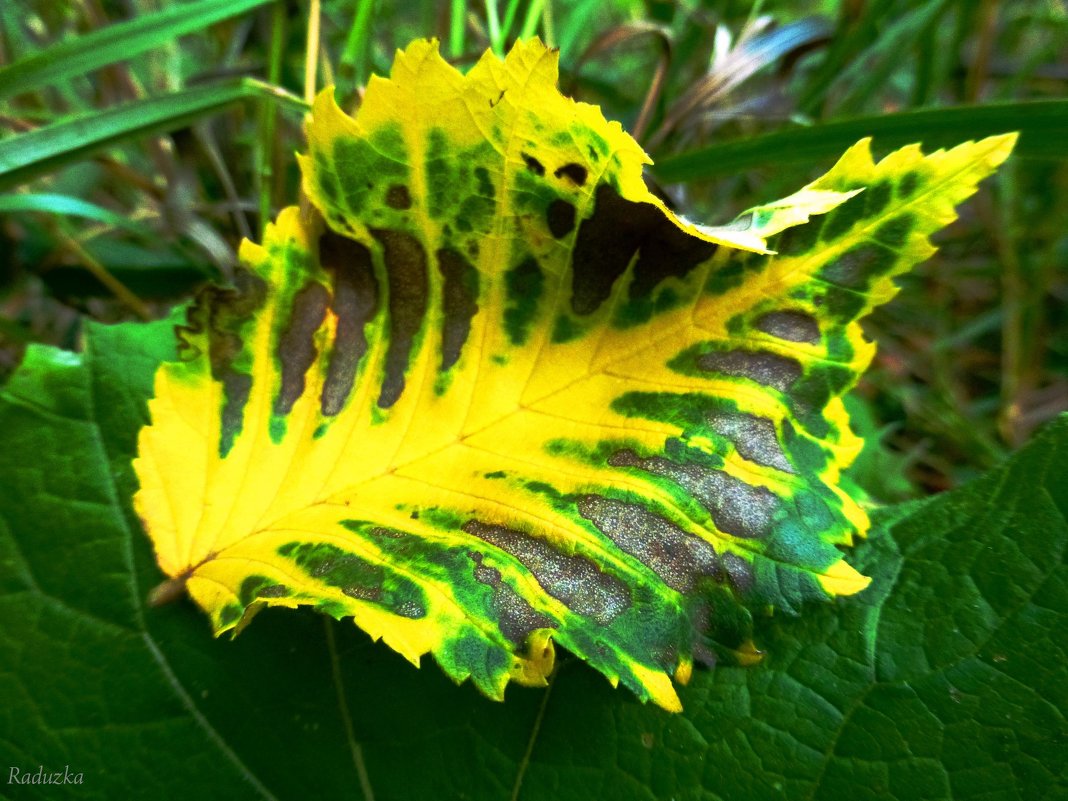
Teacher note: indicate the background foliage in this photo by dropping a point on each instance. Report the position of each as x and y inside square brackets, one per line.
[134, 159]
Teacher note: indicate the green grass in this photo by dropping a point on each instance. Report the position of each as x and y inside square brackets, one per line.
[135, 153]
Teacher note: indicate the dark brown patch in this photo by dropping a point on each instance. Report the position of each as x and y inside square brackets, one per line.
[668, 252]
[236, 389]
[296, 349]
[516, 618]
[398, 197]
[561, 218]
[754, 438]
[736, 507]
[408, 286]
[459, 303]
[677, 557]
[769, 369]
[533, 164]
[610, 239]
[576, 173]
[222, 312]
[791, 325]
[574, 580]
[355, 304]
[606, 243]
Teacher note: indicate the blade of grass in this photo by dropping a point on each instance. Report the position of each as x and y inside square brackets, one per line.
[868, 75]
[354, 58]
[118, 42]
[457, 25]
[858, 28]
[509, 19]
[493, 24]
[1043, 127]
[50, 203]
[30, 154]
[532, 20]
[927, 56]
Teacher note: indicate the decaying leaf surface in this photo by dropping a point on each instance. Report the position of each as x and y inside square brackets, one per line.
[489, 393]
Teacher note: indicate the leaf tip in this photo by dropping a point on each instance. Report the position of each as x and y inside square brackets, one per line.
[841, 578]
[659, 688]
[1001, 147]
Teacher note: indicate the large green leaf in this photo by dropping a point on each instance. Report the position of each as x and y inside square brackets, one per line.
[946, 679]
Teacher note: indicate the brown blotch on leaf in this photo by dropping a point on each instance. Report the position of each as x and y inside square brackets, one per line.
[573, 580]
[668, 252]
[754, 438]
[857, 267]
[459, 303]
[398, 197]
[516, 618]
[561, 218]
[221, 312]
[390, 533]
[736, 508]
[408, 286]
[769, 369]
[605, 245]
[355, 303]
[791, 325]
[576, 173]
[363, 593]
[273, 591]
[677, 557]
[296, 349]
[533, 164]
[609, 239]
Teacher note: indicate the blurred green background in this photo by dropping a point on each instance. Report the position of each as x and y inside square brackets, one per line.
[141, 140]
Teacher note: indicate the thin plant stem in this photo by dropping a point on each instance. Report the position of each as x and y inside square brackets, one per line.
[311, 50]
[101, 273]
[547, 24]
[311, 64]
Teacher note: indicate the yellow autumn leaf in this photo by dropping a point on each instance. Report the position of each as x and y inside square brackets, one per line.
[488, 394]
